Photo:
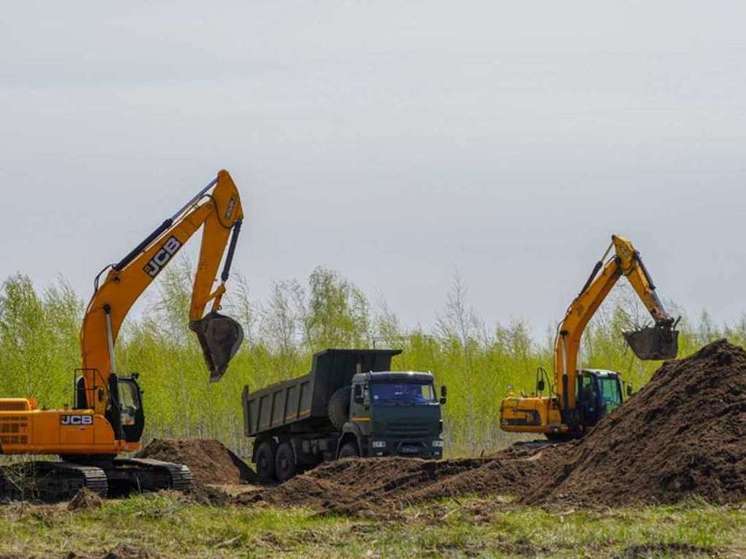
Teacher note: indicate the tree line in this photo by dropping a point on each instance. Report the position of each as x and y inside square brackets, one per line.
[479, 362]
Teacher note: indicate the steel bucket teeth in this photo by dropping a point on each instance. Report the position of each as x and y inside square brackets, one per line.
[220, 337]
[653, 342]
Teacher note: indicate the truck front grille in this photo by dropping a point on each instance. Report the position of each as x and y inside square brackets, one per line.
[407, 429]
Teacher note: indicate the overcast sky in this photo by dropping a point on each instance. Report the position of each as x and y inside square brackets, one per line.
[396, 142]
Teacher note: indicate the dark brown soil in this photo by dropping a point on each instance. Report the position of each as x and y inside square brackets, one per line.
[361, 486]
[209, 460]
[682, 435]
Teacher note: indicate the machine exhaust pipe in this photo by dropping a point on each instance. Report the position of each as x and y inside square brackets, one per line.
[220, 337]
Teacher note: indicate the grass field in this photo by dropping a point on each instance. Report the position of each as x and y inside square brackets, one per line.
[168, 526]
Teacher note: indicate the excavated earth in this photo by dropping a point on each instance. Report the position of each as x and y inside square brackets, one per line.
[682, 435]
[209, 460]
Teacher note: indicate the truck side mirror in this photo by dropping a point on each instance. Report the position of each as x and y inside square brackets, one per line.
[629, 390]
[540, 385]
[357, 394]
[443, 395]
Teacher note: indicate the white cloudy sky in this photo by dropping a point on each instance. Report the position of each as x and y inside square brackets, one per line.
[396, 142]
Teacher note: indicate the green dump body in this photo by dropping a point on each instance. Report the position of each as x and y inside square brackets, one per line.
[306, 398]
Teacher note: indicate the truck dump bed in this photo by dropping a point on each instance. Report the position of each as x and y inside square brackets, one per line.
[306, 398]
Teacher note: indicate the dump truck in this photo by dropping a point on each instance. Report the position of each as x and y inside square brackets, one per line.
[350, 404]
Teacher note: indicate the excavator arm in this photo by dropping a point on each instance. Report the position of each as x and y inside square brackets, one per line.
[656, 342]
[217, 209]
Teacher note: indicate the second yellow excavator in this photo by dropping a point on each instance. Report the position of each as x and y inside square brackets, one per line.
[578, 399]
[107, 418]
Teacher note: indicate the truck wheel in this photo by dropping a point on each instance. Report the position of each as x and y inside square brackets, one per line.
[339, 407]
[348, 450]
[265, 462]
[284, 462]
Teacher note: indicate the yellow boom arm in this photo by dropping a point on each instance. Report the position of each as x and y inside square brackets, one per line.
[627, 262]
[217, 208]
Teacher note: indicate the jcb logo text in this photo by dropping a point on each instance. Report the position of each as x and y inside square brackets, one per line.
[76, 420]
[162, 257]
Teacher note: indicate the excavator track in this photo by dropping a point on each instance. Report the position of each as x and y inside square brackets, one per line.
[50, 481]
[127, 475]
[60, 481]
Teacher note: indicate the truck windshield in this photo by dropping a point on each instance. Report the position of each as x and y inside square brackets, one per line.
[392, 393]
[610, 392]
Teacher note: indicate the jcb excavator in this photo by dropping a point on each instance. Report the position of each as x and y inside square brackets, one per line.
[107, 418]
[580, 398]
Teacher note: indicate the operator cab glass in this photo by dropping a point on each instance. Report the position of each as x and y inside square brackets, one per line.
[599, 393]
[610, 392]
[402, 394]
[129, 401]
[128, 404]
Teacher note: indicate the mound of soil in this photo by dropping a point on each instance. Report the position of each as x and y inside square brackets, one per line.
[209, 460]
[85, 499]
[683, 434]
[376, 484]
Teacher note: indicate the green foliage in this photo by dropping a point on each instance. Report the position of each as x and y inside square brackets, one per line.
[39, 350]
[38, 340]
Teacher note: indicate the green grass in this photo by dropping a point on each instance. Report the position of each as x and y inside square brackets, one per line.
[166, 526]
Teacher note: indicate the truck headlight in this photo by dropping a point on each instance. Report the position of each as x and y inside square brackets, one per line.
[379, 444]
[438, 444]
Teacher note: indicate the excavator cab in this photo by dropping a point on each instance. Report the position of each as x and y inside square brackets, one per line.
[220, 337]
[125, 411]
[599, 393]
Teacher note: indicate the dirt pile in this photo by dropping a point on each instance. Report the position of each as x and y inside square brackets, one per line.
[85, 499]
[683, 434]
[209, 460]
[353, 486]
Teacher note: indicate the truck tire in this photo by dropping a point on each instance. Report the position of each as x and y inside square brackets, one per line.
[285, 467]
[348, 450]
[265, 462]
[339, 407]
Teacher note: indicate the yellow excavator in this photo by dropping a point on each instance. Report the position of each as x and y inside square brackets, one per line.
[107, 418]
[578, 399]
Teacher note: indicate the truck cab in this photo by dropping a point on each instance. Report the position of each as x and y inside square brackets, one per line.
[394, 414]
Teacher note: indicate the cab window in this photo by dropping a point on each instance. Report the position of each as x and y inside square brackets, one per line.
[392, 393]
[611, 394]
[128, 397]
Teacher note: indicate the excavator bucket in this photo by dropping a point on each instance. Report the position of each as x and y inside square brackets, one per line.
[654, 342]
[220, 337]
